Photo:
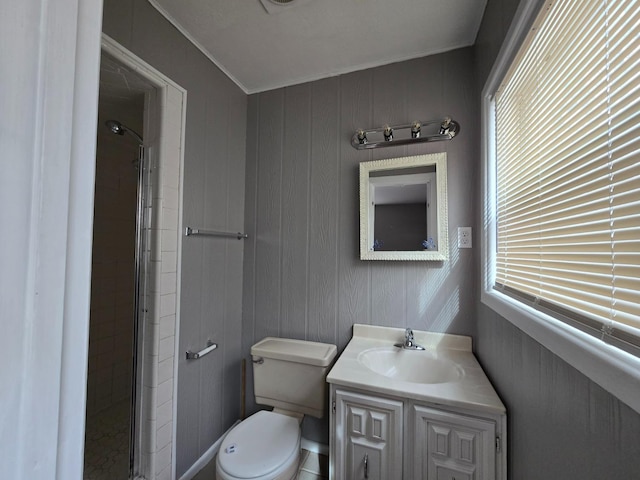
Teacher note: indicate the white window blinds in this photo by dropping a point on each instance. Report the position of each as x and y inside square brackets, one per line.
[568, 166]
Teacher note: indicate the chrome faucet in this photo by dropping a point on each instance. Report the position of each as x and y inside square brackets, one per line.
[409, 344]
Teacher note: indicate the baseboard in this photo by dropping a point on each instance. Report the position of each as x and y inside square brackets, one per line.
[204, 460]
[315, 447]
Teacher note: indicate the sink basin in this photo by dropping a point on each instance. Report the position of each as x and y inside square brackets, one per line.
[414, 366]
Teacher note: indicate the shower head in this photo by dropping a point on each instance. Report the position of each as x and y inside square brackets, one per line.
[120, 129]
[115, 127]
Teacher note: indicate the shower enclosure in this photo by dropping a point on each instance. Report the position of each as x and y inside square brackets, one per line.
[114, 386]
[134, 97]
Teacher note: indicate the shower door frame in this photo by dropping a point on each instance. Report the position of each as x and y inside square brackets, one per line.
[140, 307]
[154, 414]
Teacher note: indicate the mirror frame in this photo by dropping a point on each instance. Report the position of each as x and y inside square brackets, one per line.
[440, 162]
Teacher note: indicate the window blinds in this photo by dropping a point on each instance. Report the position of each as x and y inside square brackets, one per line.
[568, 165]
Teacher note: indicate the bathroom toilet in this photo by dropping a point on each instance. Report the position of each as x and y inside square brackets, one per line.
[288, 375]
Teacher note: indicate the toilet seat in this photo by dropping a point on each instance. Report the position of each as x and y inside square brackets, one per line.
[263, 446]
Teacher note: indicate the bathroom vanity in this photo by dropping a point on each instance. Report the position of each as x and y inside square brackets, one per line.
[413, 414]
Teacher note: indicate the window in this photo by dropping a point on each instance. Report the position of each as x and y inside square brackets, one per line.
[567, 148]
[561, 169]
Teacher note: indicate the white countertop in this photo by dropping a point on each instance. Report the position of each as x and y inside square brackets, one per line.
[473, 390]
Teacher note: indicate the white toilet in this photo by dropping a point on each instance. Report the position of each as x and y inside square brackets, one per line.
[288, 375]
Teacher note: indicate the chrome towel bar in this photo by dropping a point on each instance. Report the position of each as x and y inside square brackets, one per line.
[189, 231]
[195, 355]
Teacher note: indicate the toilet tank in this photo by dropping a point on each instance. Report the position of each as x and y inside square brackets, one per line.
[290, 374]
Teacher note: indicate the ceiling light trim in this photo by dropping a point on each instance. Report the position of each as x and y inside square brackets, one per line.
[197, 44]
[277, 6]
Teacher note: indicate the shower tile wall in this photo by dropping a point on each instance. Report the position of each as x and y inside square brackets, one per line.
[161, 246]
[110, 337]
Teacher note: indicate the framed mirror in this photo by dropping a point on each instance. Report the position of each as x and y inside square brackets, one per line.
[403, 208]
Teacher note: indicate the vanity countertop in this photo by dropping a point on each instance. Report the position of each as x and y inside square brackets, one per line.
[472, 390]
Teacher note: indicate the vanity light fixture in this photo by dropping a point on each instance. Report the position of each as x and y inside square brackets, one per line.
[415, 132]
[444, 126]
[388, 133]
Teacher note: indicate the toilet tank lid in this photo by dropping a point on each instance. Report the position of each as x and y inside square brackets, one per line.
[300, 351]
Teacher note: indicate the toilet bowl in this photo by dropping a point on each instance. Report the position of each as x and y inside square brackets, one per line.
[288, 375]
[265, 446]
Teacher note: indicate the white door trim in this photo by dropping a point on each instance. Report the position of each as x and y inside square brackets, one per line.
[164, 141]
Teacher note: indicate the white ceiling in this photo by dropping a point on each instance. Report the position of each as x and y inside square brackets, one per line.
[313, 39]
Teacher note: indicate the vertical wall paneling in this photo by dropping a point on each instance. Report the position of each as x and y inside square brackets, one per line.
[317, 284]
[426, 283]
[388, 294]
[189, 372]
[232, 325]
[193, 290]
[268, 216]
[213, 301]
[427, 87]
[211, 274]
[296, 168]
[353, 274]
[561, 424]
[323, 211]
[388, 283]
[250, 226]
[249, 284]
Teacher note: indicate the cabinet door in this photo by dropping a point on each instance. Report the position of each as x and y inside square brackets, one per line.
[368, 437]
[450, 446]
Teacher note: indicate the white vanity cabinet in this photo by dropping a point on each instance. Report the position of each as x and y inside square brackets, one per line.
[451, 446]
[369, 440]
[379, 437]
[426, 413]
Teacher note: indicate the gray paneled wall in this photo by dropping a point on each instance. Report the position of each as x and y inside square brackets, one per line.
[561, 424]
[302, 273]
[211, 299]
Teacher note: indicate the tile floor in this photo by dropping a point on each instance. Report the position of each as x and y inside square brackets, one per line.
[313, 466]
[107, 450]
[106, 455]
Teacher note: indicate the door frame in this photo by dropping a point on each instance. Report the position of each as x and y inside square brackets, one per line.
[165, 120]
